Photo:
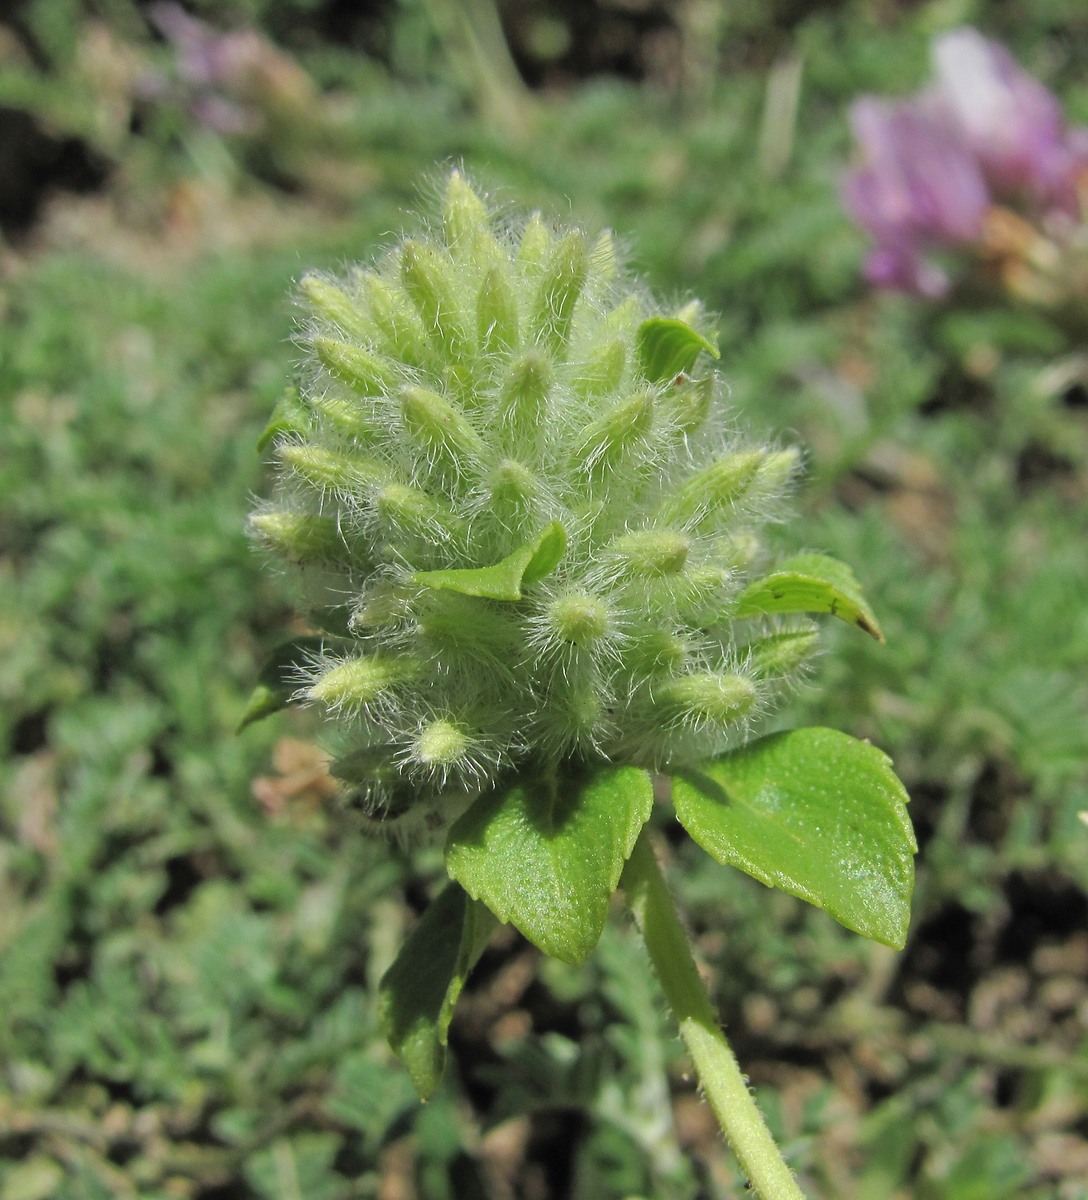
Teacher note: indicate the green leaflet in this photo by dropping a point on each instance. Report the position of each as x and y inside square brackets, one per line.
[278, 680]
[810, 583]
[506, 579]
[668, 347]
[418, 993]
[814, 812]
[546, 854]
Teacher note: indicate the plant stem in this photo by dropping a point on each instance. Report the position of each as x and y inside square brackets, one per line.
[725, 1086]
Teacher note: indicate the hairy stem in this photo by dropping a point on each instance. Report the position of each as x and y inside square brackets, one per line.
[715, 1062]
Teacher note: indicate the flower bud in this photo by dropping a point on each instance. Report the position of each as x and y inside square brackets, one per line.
[393, 324]
[536, 241]
[611, 439]
[333, 304]
[718, 699]
[652, 552]
[467, 396]
[578, 619]
[659, 652]
[431, 286]
[523, 402]
[465, 220]
[561, 283]
[323, 468]
[409, 510]
[362, 371]
[354, 684]
[603, 371]
[439, 429]
[781, 654]
[717, 487]
[496, 313]
[301, 537]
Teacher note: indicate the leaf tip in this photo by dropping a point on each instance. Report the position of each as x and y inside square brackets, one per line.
[868, 625]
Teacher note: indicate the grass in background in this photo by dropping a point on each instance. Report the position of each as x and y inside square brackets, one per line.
[187, 957]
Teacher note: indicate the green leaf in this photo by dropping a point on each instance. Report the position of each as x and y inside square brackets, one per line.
[279, 678]
[289, 416]
[418, 992]
[810, 583]
[333, 619]
[668, 347]
[290, 1167]
[507, 578]
[814, 812]
[546, 854]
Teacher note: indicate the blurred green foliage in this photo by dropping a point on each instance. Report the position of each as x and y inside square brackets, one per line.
[190, 930]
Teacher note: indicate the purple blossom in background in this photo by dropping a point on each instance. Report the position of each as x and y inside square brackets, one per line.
[918, 186]
[933, 166]
[1010, 122]
[232, 80]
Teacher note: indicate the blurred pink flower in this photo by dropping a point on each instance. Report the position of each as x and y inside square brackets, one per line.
[235, 81]
[1010, 121]
[918, 186]
[934, 166]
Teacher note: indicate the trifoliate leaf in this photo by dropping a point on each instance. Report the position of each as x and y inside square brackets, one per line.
[506, 579]
[814, 812]
[546, 854]
[418, 993]
[668, 347]
[810, 583]
[279, 678]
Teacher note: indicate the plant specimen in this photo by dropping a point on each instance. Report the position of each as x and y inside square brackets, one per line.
[533, 552]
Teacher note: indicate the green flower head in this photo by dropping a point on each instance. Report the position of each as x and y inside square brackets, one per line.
[523, 522]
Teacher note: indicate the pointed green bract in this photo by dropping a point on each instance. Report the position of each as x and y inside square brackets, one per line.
[280, 678]
[810, 583]
[506, 579]
[290, 416]
[816, 813]
[668, 347]
[546, 853]
[418, 993]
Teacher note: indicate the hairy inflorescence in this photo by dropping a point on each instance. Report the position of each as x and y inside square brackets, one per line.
[521, 515]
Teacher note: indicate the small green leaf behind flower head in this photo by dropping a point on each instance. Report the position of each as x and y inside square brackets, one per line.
[279, 678]
[810, 583]
[668, 347]
[418, 993]
[506, 579]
